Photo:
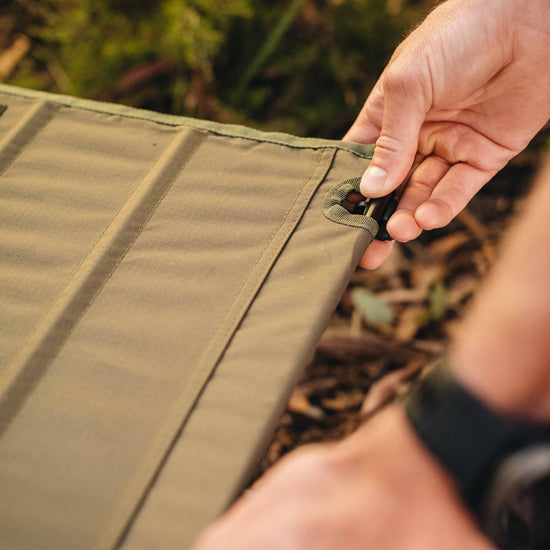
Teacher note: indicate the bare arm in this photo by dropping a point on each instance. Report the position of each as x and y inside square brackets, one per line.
[503, 350]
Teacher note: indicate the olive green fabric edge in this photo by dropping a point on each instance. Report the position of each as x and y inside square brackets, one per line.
[229, 130]
[334, 211]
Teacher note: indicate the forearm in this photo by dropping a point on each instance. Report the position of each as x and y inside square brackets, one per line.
[502, 352]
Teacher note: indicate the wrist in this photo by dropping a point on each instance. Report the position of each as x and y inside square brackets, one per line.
[501, 466]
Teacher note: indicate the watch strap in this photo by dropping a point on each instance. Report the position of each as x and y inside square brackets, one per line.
[466, 436]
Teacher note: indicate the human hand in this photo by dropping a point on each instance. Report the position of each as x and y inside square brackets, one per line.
[377, 490]
[464, 93]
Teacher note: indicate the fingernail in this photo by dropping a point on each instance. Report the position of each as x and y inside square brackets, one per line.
[373, 181]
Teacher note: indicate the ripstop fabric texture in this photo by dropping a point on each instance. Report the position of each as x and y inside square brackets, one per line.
[163, 281]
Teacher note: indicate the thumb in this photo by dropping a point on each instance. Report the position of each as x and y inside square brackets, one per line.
[396, 147]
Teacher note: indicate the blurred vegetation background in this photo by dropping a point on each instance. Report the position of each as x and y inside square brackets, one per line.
[300, 66]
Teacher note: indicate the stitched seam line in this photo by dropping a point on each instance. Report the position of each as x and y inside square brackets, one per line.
[138, 488]
[79, 265]
[253, 268]
[38, 113]
[145, 222]
[12, 400]
[124, 251]
[206, 126]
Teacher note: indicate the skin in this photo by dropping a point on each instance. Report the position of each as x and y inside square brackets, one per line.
[465, 92]
[502, 352]
[473, 84]
[389, 494]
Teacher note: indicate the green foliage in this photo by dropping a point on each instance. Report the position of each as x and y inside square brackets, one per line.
[96, 41]
[269, 46]
[318, 77]
[373, 309]
[438, 301]
[303, 66]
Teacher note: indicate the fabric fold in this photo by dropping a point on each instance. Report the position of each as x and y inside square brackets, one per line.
[31, 361]
[162, 282]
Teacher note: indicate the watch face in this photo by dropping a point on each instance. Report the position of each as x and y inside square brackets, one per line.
[517, 509]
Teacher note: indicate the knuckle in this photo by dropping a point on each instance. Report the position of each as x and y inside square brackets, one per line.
[448, 210]
[301, 464]
[399, 79]
[496, 161]
[450, 142]
[420, 185]
[310, 459]
[454, 142]
[460, 197]
[387, 144]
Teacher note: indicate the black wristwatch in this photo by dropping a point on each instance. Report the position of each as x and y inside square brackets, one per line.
[501, 465]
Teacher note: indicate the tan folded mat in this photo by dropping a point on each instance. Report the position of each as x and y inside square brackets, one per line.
[162, 282]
